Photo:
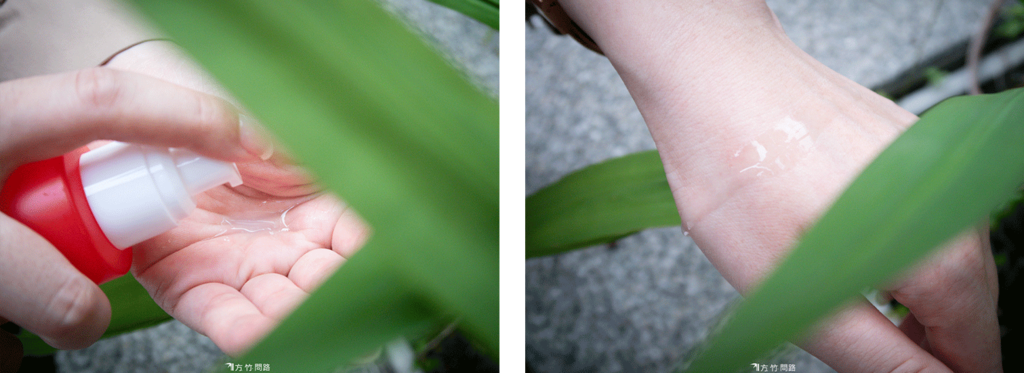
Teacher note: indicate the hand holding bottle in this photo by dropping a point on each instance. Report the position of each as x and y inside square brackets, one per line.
[231, 269]
[43, 117]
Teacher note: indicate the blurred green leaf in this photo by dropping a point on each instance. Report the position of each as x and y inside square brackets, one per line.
[1012, 22]
[598, 204]
[388, 125]
[934, 75]
[962, 159]
[1000, 259]
[885, 94]
[33, 345]
[485, 11]
[1010, 29]
[131, 306]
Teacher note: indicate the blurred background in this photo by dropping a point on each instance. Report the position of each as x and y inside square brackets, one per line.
[645, 302]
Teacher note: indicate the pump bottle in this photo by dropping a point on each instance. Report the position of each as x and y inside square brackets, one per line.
[94, 205]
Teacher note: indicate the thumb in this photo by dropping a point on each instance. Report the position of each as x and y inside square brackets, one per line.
[860, 339]
[44, 293]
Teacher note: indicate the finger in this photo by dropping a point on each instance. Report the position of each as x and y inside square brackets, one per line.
[167, 62]
[313, 268]
[915, 331]
[992, 274]
[349, 234]
[273, 294]
[860, 339]
[279, 179]
[49, 115]
[254, 136]
[951, 297]
[222, 313]
[42, 291]
[315, 218]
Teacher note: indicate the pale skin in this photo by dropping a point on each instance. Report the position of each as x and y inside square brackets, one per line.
[231, 286]
[711, 77]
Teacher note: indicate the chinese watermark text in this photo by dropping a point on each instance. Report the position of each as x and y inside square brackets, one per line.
[774, 367]
[248, 367]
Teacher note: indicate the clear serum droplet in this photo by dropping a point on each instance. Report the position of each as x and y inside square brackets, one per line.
[777, 149]
[269, 223]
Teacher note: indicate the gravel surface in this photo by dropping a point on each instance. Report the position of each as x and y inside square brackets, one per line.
[643, 305]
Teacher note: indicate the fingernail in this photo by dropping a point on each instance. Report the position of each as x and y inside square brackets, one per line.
[254, 138]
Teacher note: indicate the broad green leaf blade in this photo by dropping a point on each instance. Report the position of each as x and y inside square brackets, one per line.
[485, 11]
[598, 204]
[962, 159]
[388, 125]
[33, 345]
[131, 308]
[340, 323]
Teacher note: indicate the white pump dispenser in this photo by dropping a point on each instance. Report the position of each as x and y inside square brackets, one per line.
[137, 192]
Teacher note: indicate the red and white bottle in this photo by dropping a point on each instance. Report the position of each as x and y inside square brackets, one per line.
[94, 205]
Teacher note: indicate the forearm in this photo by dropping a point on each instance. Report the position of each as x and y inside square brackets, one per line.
[678, 57]
[39, 37]
[654, 43]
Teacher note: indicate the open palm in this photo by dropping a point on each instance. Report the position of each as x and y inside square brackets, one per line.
[248, 255]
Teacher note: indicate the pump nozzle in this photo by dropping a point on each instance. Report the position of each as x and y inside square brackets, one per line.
[137, 192]
[200, 174]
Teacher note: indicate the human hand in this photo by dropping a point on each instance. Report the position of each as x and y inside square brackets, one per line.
[758, 139]
[248, 255]
[46, 116]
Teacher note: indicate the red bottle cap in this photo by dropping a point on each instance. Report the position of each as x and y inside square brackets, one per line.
[47, 196]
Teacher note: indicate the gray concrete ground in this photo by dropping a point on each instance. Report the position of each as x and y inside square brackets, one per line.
[645, 304]
[172, 347]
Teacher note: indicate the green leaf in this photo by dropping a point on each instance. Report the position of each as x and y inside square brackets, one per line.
[599, 204]
[131, 309]
[340, 323]
[962, 159]
[33, 345]
[485, 11]
[935, 75]
[131, 306]
[384, 122]
[1010, 29]
[1005, 210]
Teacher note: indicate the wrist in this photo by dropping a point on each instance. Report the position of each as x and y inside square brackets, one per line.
[164, 60]
[731, 101]
[133, 46]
